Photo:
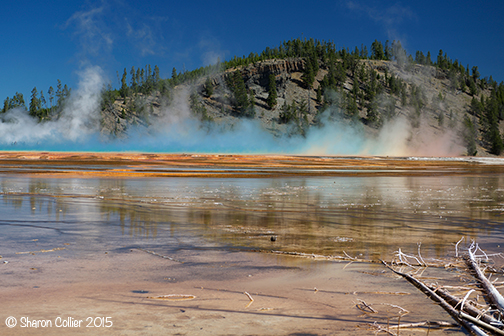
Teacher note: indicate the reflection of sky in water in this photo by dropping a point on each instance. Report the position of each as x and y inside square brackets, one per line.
[324, 215]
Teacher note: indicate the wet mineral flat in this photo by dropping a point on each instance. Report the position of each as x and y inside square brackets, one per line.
[180, 244]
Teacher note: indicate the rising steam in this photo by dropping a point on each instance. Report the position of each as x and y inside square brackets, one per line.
[77, 126]
[177, 131]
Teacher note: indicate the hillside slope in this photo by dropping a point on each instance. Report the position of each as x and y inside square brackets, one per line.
[430, 109]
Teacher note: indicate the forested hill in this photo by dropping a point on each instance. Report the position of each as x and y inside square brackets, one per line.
[303, 85]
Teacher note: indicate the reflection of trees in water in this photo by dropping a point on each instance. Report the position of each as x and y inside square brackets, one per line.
[134, 218]
[361, 215]
[40, 195]
[320, 215]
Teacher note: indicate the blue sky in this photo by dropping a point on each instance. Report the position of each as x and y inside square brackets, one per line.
[43, 41]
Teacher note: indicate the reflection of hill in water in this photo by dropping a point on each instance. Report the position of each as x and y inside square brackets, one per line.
[323, 215]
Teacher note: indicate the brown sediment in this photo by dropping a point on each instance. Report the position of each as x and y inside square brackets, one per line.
[131, 288]
[127, 165]
[173, 297]
[42, 251]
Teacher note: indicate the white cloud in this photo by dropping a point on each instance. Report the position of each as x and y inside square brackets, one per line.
[94, 36]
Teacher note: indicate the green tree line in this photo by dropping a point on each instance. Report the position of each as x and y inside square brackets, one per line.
[41, 106]
[340, 63]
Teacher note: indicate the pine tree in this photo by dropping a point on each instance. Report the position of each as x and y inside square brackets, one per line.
[473, 90]
[428, 60]
[174, 76]
[59, 94]
[475, 73]
[124, 91]
[157, 76]
[352, 110]
[141, 82]
[470, 134]
[243, 104]
[34, 103]
[372, 115]
[491, 125]
[50, 92]
[6, 105]
[18, 101]
[377, 52]
[43, 103]
[208, 87]
[308, 73]
[319, 94]
[272, 92]
[133, 83]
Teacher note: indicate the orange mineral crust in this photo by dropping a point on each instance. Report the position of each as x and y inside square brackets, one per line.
[129, 165]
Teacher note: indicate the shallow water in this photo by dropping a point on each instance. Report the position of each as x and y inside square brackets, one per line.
[367, 216]
[58, 232]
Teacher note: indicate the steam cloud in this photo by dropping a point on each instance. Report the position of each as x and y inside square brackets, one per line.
[77, 126]
[178, 131]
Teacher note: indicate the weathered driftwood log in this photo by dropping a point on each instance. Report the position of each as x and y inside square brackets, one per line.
[469, 326]
[470, 309]
[493, 295]
[487, 326]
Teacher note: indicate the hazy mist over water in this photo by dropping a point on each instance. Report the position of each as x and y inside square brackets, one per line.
[78, 129]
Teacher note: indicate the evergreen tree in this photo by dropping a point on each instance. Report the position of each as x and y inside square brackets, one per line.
[66, 92]
[419, 57]
[310, 70]
[156, 76]
[141, 82]
[340, 73]
[174, 76]
[428, 60]
[272, 92]
[149, 80]
[208, 87]
[377, 52]
[476, 107]
[319, 94]
[352, 110]
[475, 73]
[59, 93]
[34, 103]
[6, 105]
[491, 125]
[18, 101]
[363, 52]
[387, 52]
[355, 88]
[133, 82]
[138, 79]
[15, 102]
[287, 112]
[496, 141]
[440, 59]
[43, 103]
[470, 134]
[372, 116]
[473, 90]
[241, 101]
[124, 91]
[50, 92]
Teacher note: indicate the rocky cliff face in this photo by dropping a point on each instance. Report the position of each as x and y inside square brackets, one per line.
[290, 89]
[442, 109]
